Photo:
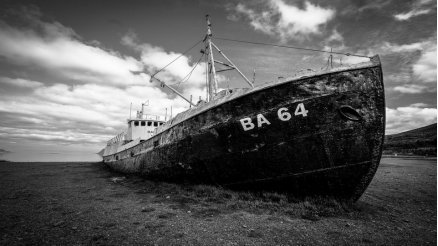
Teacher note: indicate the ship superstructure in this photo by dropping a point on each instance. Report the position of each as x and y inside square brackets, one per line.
[139, 129]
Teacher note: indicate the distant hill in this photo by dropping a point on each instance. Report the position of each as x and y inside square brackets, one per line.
[420, 141]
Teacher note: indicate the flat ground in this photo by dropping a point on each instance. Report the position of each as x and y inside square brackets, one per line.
[85, 203]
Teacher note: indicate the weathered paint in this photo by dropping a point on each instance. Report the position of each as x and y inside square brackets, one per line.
[315, 151]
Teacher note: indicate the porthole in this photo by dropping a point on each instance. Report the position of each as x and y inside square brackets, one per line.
[349, 113]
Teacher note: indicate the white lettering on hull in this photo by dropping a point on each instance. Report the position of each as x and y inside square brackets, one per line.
[282, 115]
[262, 120]
[247, 124]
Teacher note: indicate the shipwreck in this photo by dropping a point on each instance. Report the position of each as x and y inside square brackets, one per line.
[317, 133]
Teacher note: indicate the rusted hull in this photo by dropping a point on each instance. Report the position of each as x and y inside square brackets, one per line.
[325, 151]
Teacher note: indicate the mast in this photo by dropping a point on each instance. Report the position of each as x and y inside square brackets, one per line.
[211, 62]
[232, 65]
[207, 85]
[211, 80]
[212, 87]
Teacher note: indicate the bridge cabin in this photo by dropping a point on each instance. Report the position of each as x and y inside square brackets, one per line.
[143, 126]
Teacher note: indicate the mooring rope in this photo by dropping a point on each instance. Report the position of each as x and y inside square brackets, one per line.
[290, 47]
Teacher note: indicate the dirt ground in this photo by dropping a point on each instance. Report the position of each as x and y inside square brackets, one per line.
[85, 203]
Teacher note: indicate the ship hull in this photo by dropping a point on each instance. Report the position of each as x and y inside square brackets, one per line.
[316, 135]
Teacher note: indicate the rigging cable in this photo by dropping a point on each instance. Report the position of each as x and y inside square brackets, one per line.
[190, 74]
[290, 47]
[177, 57]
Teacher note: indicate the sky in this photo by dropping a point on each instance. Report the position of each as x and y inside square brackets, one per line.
[69, 70]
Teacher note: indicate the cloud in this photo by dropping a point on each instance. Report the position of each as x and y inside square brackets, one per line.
[357, 7]
[155, 58]
[260, 22]
[56, 136]
[57, 49]
[73, 113]
[176, 74]
[425, 68]
[335, 37]
[417, 66]
[21, 82]
[407, 118]
[419, 105]
[89, 88]
[410, 89]
[419, 7]
[284, 21]
[93, 106]
[404, 76]
[412, 13]
[90, 103]
[387, 47]
[413, 66]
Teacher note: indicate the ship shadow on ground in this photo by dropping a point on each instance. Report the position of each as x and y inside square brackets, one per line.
[207, 201]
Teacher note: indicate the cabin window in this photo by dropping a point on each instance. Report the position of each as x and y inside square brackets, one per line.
[156, 143]
[143, 123]
[135, 123]
[117, 157]
[149, 123]
[155, 123]
[161, 123]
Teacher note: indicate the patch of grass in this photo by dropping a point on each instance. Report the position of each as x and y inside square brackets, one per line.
[166, 215]
[208, 212]
[226, 201]
[147, 209]
[255, 234]
[151, 225]
[208, 201]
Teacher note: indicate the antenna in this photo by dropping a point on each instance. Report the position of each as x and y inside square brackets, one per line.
[331, 57]
[171, 112]
[130, 110]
